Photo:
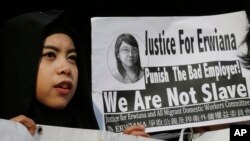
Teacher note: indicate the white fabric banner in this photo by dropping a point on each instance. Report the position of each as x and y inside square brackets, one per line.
[170, 72]
[14, 131]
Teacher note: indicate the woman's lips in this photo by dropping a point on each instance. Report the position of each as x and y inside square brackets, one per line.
[64, 87]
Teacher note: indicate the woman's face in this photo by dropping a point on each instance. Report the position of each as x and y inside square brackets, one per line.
[128, 54]
[58, 73]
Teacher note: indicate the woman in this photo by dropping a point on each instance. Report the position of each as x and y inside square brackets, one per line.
[44, 74]
[129, 68]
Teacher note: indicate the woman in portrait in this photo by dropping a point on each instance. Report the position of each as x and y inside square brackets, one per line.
[129, 68]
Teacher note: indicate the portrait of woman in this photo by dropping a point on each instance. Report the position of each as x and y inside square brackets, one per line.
[129, 68]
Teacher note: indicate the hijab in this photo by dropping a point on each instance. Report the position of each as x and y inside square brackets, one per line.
[21, 41]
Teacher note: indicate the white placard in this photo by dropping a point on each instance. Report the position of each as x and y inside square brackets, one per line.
[189, 72]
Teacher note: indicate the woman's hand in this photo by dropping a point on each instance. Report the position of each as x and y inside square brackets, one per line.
[137, 130]
[29, 123]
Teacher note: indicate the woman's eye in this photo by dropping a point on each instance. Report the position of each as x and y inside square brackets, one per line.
[49, 55]
[127, 50]
[72, 58]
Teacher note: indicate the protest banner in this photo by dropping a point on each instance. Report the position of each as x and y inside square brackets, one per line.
[170, 72]
[15, 131]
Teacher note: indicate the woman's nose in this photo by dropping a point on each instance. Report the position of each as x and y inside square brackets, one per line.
[130, 53]
[64, 67]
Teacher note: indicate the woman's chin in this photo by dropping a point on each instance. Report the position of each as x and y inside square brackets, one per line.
[130, 65]
[59, 106]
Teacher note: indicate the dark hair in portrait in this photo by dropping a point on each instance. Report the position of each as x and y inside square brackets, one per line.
[245, 56]
[134, 53]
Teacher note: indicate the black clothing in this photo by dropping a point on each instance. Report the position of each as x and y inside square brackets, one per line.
[21, 41]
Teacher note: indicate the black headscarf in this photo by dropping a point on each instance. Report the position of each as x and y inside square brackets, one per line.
[21, 41]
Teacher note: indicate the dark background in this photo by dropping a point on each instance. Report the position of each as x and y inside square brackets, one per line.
[79, 13]
[82, 11]
[85, 10]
